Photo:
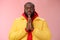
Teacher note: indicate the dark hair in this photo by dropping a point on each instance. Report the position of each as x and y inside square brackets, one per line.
[29, 3]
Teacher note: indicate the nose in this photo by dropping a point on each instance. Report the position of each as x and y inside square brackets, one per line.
[29, 10]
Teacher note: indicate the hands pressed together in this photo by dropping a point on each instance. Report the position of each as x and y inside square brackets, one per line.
[29, 26]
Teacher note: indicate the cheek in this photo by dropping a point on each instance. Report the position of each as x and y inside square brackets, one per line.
[25, 10]
[32, 10]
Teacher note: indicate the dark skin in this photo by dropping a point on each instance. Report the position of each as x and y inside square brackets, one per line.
[29, 10]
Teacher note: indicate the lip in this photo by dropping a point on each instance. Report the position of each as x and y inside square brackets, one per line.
[29, 12]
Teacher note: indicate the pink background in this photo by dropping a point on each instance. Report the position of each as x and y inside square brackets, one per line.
[47, 9]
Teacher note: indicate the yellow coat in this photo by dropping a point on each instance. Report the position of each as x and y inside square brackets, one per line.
[41, 30]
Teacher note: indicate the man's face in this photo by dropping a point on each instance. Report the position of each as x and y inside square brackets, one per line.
[29, 9]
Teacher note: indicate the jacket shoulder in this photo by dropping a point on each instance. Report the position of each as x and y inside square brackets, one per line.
[39, 19]
[20, 18]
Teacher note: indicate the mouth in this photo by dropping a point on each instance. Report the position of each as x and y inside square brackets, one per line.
[29, 13]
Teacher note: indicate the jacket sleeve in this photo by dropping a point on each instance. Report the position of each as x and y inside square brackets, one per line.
[14, 34]
[44, 33]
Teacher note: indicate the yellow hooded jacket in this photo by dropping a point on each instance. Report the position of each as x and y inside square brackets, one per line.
[40, 32]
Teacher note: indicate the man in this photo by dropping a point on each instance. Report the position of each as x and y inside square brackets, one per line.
[29, 26]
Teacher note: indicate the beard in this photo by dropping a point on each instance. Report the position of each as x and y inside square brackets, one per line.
[30, 15]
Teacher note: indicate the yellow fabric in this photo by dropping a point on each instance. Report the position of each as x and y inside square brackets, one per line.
[41, 30]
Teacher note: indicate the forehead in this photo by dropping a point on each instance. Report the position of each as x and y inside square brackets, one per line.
[28, 5]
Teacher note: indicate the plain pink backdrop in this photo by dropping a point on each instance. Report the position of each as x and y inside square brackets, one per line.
[47, 9]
